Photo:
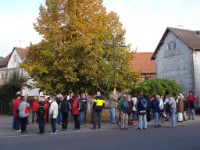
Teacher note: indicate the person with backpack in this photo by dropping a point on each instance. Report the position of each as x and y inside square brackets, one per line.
[83, 110]
[42, 114]
[124, 109]
[65, 108]
[75, 111]
[191, 101]
[142, 110]
[155, 105]
[98, 105]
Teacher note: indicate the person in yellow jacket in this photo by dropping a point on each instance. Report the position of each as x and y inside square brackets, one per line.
[98, 105]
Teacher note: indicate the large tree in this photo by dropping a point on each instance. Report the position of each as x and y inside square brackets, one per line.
[73, 55]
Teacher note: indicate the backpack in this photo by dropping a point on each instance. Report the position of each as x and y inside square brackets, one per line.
[41, 111]
[143, 103]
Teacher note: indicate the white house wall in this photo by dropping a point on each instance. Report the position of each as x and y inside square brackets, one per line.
[196, 58]
[11, 63]
[175, 64]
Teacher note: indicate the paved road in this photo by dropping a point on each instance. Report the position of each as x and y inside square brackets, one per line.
[180, 138]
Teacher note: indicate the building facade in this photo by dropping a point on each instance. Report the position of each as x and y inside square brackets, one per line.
[177, 57]
[11, 63]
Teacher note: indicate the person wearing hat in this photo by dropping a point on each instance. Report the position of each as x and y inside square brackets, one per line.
[123, 107]
[98, 105]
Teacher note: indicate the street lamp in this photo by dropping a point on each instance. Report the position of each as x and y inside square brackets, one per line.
[122, 44]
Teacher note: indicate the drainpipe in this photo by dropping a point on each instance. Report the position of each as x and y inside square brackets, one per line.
[193, 71]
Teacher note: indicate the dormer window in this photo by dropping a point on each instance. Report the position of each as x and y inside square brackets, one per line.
[171, 46]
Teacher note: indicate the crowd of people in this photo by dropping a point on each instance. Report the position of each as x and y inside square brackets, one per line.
[57, 109]
[144, 109]
[60, 109]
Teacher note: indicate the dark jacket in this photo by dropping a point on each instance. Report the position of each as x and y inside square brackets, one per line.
[65, 106]
[140, 109]
[83, 103]
[155, 105]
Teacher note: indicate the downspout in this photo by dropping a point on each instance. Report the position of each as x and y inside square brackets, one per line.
[193, 72]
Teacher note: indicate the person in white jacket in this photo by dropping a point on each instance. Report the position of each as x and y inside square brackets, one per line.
[53, 114]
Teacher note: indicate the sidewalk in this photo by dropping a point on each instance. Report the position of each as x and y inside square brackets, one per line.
[6, 127]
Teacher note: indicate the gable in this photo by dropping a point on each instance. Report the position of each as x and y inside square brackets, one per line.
[189, 37]
[20, 52]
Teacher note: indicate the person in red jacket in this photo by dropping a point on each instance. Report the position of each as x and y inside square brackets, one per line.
[75, 111]
[34, 108]
[191, 101]
[41, 117]
[15, 105]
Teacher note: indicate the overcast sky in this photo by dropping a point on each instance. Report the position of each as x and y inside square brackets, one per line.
[144, 20]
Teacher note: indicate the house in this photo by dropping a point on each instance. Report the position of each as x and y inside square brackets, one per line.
[177, 56]
[11, 63]
[142, 63]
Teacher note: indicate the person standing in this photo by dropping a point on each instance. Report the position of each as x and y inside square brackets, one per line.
[142, 109]
[172, 104]
[98, 105]
[124, 107]
[42, 114]
[15, 105]
[53, 114]
[112, 106]
[23, 114]
[83, 110]
[180, 107]
[191, 101]
[75, 111]
[135, 113]
[156, 111]
[34, 106]
[65, 108]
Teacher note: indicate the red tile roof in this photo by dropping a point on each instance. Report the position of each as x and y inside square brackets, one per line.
[142, 62]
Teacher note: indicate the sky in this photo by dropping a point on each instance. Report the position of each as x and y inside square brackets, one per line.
[145, 21]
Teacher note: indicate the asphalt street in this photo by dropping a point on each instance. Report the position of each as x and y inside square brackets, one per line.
[184, 137]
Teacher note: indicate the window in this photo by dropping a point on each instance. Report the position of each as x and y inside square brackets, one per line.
[171, 46]
[15, 58]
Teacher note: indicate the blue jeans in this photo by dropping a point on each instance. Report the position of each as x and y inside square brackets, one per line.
[59, 118]
[71, 117]
[53, 125]
[156, 119]
[142, 121]
[112, 115]
[173, 117]
[80, 117]
[191, 113]
[41, 123]
[16, 123]
[85, 115]
[33, 116]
